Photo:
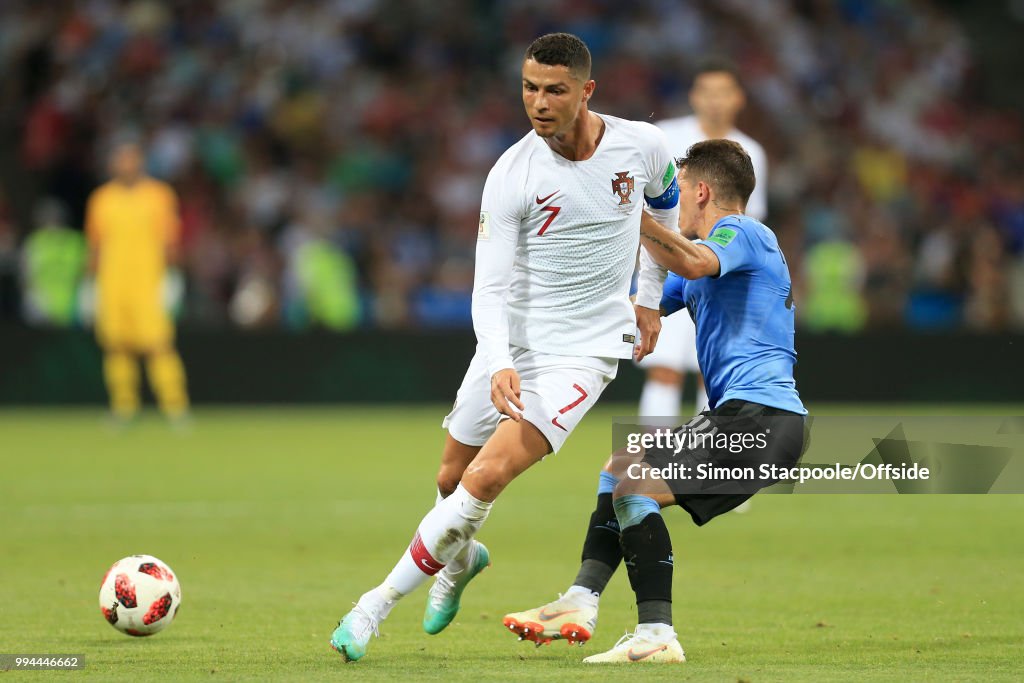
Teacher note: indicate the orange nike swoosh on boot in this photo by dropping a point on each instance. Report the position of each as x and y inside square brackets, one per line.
[544, 616]
[633, 657]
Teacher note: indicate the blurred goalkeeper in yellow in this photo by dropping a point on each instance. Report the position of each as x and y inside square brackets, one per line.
[132, 225]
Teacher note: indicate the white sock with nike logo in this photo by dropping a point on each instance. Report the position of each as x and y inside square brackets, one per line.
[442, 534]
[658, 633]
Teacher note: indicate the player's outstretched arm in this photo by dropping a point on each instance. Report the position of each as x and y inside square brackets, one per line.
[673, 251]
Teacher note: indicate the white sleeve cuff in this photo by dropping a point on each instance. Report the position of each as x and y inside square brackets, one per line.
[498, 364]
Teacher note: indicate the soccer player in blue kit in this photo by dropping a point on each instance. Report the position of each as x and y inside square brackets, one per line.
[735, 284]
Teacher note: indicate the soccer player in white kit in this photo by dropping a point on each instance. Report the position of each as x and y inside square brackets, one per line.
[556, 244]
[716, 98]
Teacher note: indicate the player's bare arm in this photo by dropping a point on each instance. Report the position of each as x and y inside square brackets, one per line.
[673, 251]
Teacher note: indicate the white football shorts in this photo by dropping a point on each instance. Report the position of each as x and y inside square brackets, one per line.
[556, 391]
[677, 345]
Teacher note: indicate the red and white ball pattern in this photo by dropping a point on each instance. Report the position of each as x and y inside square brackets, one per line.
[140, 595]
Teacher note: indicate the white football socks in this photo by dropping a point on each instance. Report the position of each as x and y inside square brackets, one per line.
[441, 535]
[660, 400]
[583, 596]
[658, 633]
[379, 601]
[462, 560]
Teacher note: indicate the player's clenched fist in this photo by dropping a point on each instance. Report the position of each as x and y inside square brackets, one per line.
[648, 322]
[505, 393]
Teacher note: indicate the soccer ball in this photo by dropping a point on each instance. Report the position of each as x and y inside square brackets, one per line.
[140, 595]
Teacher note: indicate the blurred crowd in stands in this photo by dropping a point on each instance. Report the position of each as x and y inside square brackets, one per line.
[329, 156]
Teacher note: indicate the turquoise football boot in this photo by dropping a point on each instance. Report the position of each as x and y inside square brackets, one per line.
[353, 634]
[444, 596]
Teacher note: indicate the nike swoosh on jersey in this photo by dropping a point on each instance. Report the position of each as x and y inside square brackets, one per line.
[541, 201]
[544, 616]
[634, 657]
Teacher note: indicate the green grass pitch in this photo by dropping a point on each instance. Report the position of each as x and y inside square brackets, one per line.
[277, 519]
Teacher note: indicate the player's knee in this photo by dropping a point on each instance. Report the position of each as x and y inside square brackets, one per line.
[618, 463]
[447, 480]
[610, 463]
[628, 486]
[486, 480]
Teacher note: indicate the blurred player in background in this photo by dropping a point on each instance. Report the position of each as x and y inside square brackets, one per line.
[132, 227]
[735, 283]
[716, 98]
[556, 245]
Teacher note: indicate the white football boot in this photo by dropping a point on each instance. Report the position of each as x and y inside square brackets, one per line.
[572, 617]
[658, 645]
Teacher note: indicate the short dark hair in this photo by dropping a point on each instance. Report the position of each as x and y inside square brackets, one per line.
[724, 165]
[561, 49]
[716, 65]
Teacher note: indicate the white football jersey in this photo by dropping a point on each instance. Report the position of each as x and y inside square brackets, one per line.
[557, 245]
[685, 131]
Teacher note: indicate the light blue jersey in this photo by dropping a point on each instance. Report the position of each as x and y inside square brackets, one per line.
[744, 317]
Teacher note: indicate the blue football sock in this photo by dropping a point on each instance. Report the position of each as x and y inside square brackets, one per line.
[631, 509]
[607, 482]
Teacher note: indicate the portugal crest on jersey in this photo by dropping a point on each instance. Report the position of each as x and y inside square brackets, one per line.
[622, 185]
